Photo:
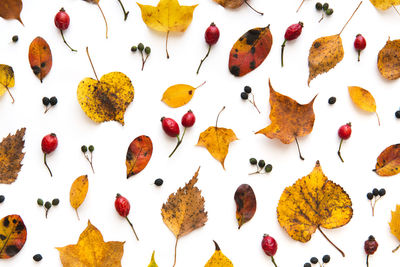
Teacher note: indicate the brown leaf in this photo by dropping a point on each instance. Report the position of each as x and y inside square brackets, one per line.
[11, 9]
[12, 236]
[184, 210]
[325, 53]
[138, 155]
[11, 156]
[389, 60]
[246, 204]
[388, 162]
[40, 57]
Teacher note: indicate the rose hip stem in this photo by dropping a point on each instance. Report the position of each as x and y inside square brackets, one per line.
[123, 9]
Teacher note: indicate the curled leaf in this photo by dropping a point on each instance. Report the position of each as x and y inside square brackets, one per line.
[152, 261]
[388, 162]
[7, 79]
[11, 9]
[246, 204]
[78, 192]
[40, 57]
[250, 51]
[138, 155]
[12, 236]
[11, 156]
[389, 60]
[106, 99]
[178, 95]
[363, 99]
[218, 259]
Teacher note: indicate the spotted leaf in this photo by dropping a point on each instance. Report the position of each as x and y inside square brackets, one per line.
[40, 57]
[389, 60]
[12, 236]
[388, 162]
[138, 155]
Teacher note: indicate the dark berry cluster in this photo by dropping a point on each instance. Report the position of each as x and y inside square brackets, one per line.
[325, 8]
[140, 47]
[49, 102]
[374, 196]
[84, 150]
[47, 205]
[260, 164]
[314, 260]
[245, 96]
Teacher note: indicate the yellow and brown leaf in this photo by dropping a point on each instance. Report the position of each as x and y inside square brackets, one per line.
[11, 156]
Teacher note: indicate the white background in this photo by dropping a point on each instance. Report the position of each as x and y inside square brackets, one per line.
[111, 140]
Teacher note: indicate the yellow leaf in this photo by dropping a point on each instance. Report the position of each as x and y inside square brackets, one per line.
[11, 156]
[77, 194]
[385, 4]
[152, 261]
[184, 210]
[311, 203]
[106, 99]
[178, 95]
[388, 162]
[395, 225]
[91, 250]
[7, 79]
[363, 99]
[218, 259]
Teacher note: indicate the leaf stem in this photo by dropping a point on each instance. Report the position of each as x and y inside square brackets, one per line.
[253, 8]
[123, 9]
[201, 61]
[201, 85]
[397, 11]
[340, 146]
[105, 20]
[178, 144]
[166, 44]
[176, 245]
[302, 2]
[379, 121]
[8, 90]
[350, 17]
[62, 35]
[273, 261]
[216, 122]
[394, 250]
[282, 49]
[298, 149]
[45, 163]
[76, 211]
[132, 228]
[91, 63]
[341, 252]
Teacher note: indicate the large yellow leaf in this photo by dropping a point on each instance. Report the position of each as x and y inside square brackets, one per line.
[385, 4]
[78, 191]
[91, 250]
[311, 203]
[395, 225]
[363, 99]
[218, 259]
[11, 156]
[7, 79]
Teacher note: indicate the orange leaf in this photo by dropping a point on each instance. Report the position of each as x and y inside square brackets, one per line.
[40, 57]
[246, 204]
[138, 155]
[12, 236]
[11, 9]
[11, 156]
[389, 60]
[388, 162]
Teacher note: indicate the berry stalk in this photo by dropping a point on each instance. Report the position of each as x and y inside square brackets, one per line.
[340, 146]
[201, 62]
[273, 261]
[179, 143]
[62, 35]
[123, 9]
[133, 229]
[45, 163]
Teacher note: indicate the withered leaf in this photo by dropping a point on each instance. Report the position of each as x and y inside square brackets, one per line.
[389, 60]
[78, 191]
[12, 236]
[138, 155]
[40, 57]
[11, 156]
[11, 9]
[218, 259]
[246, 204]
[388, 162]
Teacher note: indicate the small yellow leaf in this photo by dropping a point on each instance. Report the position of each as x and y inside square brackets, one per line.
[77, 194]
[363, 99]
[218, 259]
[152, 261]
[178, 95]
[7, 79]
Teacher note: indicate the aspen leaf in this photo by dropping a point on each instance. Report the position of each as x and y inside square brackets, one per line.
[40, 57]
[388, 162]
[12, 236]
[152, 261]
[246, 204]
[363, 99]
[11, 9]
[78, 191]
[395, 225]
[11, 156]
[311, 203]
[178, 95]
[184, 210]
[91, 250]
[389, 60]
[7, 79]
[250, 51]
[138, 155]
[218, 259]
[384, 4]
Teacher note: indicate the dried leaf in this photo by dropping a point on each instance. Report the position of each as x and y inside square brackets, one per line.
[230, 3]
[11, 9]
[325, 53]
[11, 156]
[363, 99]
[218, 259]
[91, 250]
[389, 60]
[152, 261]
[77, 194]
[178, 95]
[250, 51]
[395, 224]
[138, 155]
[388, 162]
[246, 204]
[106, 99]
[311, 203]
[385, 4]
[12, 236]
[184, 210]
[40, 57]
[7, 79]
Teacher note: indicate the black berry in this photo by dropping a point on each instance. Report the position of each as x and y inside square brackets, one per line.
[397, 114]
[247, 89]
[332, 100]
[307, 264]
[84, 149]
[91, 148]
[261, 163]
[382, 192]
[37, 257]
[158, 182]
[375, 192]
[147, 50]
[318, 6]
[47, 205]
[329, 11]
[40, 202]
[2, 198]
[53, 101]
[134, 48]
[370, 196]
[268, 168]
[326, 258]
[325, 6]
[244, 95]
[314, 260]
[253, 161]
[45, 101]
[15, 38]
[55, 202]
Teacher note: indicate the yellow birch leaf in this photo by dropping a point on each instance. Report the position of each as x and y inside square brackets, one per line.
[7, 79]
[385, 4]
[218, 259]
[363, 99]
[77, 194]
[178, 95]
[395, 225]
[152, 261]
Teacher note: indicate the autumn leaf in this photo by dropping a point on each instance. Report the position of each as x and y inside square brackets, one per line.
[289, 119]
[7, 80]
[217, 140]
[138, 155]
[388, 162]
[363, 99]
[11, 9]
[246, 204]
[385, 4]
[11, 156]
[236, 4]
[179, 95]
[40, 57]
[395, 225]
[12, 236]
[311, 203]
[91, 250]
[218, 259]
[389, 60]
[250, 51]
[168, 16]
[152, 261]
[78, 191]
[97, 3]
[184, 210]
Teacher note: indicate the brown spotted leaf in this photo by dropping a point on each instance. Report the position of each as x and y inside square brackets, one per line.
[325, 53]
[389, 60]
[11, 9]
[12, 236]
[246, 204]
[11, 156]
[138, 155]
[388, 162]
[250, 51]
[40, 57]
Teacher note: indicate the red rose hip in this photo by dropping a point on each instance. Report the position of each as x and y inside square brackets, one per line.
[49, 144]
[270, 246]
[370, 246]
[359, 44]
[344, 133]
[188, 119]
[123, 207]
[292, 33]
[211, 36]
[61, 20]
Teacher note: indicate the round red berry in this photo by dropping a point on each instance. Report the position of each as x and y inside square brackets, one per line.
[370, 246]
[293, 31]
[49, 143]
[122, 205]
[269, 245]
[61, 20]
[188, 119]
[212, 34]
[345, 131]
[360, 43]
[170, 126]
